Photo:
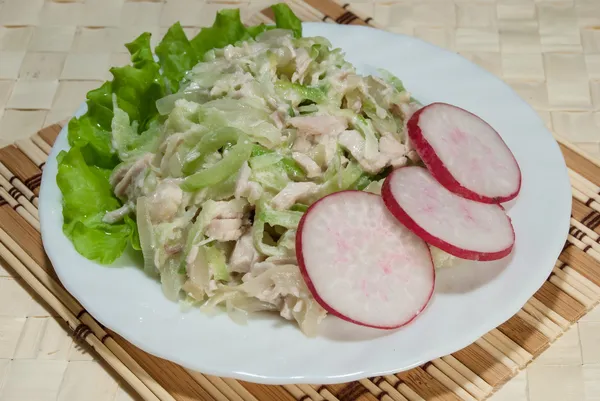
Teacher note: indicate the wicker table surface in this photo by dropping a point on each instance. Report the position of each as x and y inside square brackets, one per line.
[53, 52]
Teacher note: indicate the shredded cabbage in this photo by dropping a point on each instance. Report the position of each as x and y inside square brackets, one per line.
[208, 147]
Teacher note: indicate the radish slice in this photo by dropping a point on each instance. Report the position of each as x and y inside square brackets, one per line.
[464, 153]
[459, 226]
[361, 264]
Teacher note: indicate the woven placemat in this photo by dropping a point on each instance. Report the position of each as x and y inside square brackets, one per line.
[473, 373]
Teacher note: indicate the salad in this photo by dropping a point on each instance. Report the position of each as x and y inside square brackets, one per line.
[204, 155]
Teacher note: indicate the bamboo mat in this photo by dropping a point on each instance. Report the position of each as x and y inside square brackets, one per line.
[549, 71]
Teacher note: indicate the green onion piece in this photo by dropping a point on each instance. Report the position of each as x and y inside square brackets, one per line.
[220, 171]
[210, 143]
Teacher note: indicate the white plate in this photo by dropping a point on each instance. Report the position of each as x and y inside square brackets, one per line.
[469, 300]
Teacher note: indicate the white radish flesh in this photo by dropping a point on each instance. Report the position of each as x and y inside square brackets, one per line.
[464, 153]
[459, 226]
[361, 264]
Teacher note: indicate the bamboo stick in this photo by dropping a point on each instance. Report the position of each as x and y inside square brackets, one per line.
[468, 373]
[32, 151]
[75, 323]
[587, 302]
[567, 278]
[510, 345]
[75, 309]
[326, 394]
[548, 331]
[20, 209]
[459, 378]
[576, 149]
[375, 390]
[14, 180]
[449, 383]
[496, 353]
[403, 389]
[311, 392]
[19, 197]
[392, 392]
[579, 277]
[241, 390]
[592, 248]
[581, 197]
[542, 318]
[41, 144]
[555, 317]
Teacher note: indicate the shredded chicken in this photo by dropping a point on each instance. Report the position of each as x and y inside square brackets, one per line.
[318, 130]
[256, 269]
[123, 178]
[282, 260]
[391, 146]
[277, 119]
[261, 88]
[311, 168]
[246, 188]
[394, 150]
[198, 272]
[225, 229]
[223, 220]
[244, 254]
[283, 286]
[301, 144]
[173, 249]
[292, 193]
[227, 210]
[284, 280]
[355, 105]
[408, 109]
[165, 201]
[193, 290]
[330, 144]
[118, 214]
[319, 125]
[291, 304]
[303, 61]
[413, 155]
[170, 148]
[353, 141]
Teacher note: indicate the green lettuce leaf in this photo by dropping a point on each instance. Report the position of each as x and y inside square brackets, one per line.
[137, 88]
[126, 140]
[83, 172]
[93, 141]
[176, 55]
[122, 120]
[256, 30]
[227, 29]
[135, 234]
[102, 242]
[286, 19]
[140, 85]
[99, 103]
[87, 196]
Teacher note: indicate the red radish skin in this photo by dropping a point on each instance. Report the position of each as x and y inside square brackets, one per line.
[453, 206]
[441, 171]
[359, 234]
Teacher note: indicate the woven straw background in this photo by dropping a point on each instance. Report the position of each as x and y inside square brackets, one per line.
[53, 52]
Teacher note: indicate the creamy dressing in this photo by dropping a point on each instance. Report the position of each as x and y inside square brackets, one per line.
[298, 123]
